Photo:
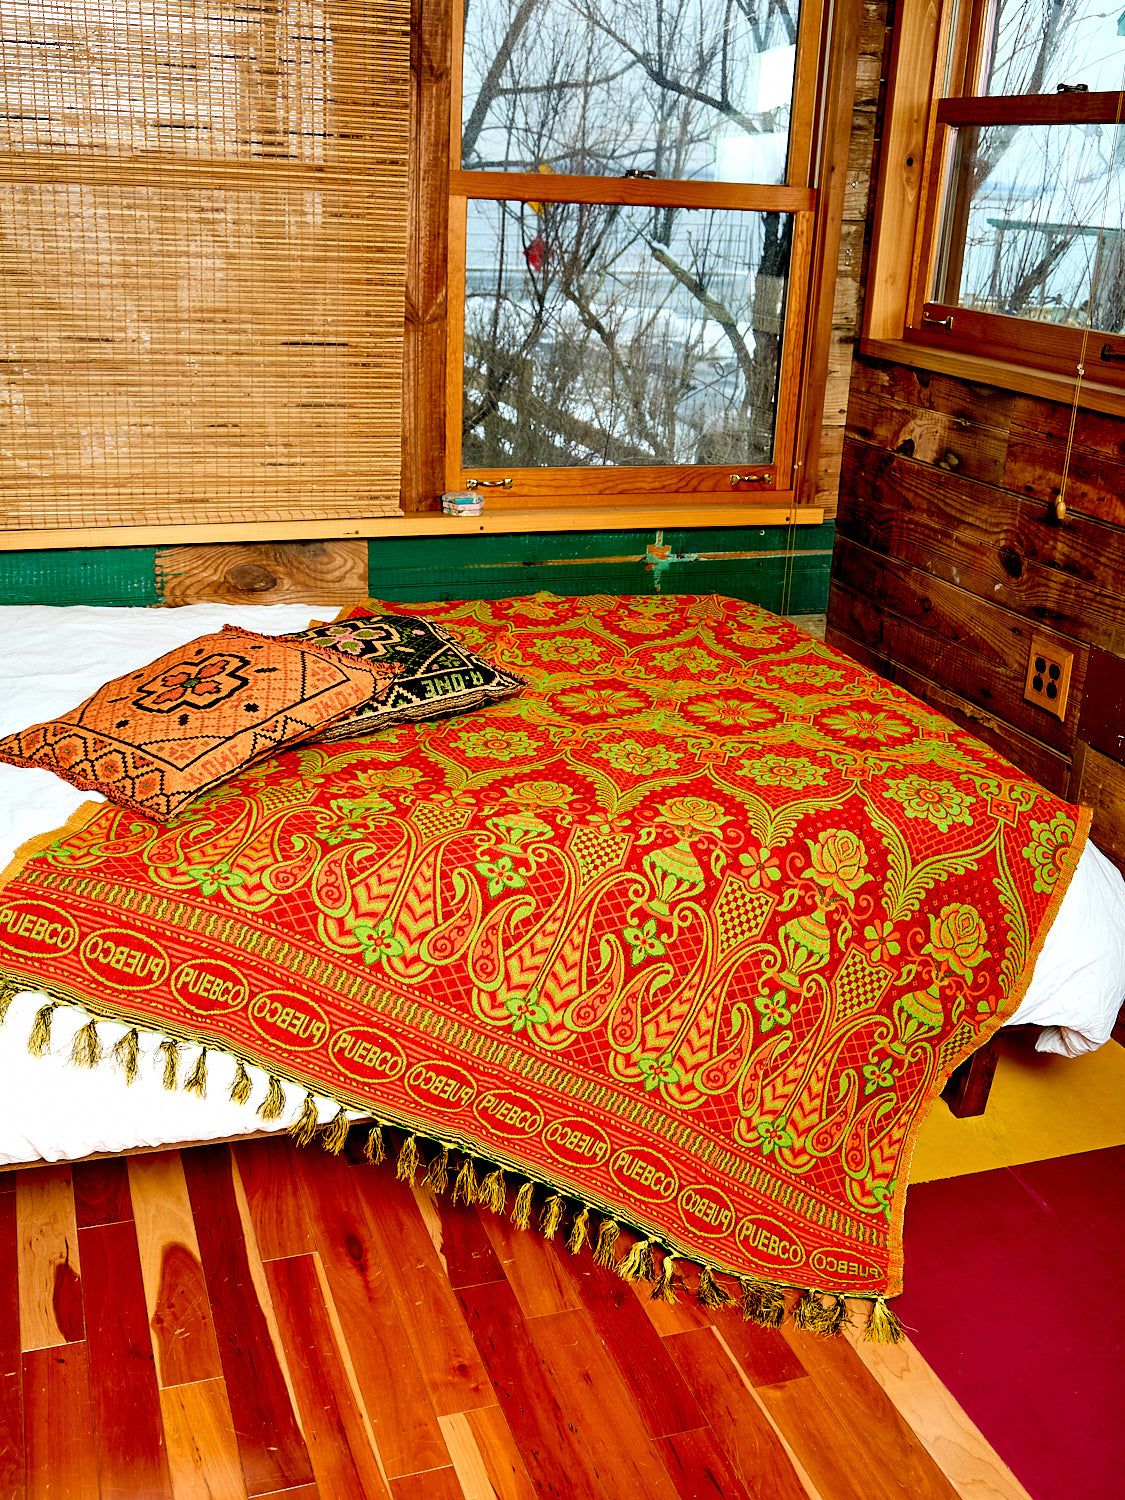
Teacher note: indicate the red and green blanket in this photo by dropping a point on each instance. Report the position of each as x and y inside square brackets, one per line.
[683, 941]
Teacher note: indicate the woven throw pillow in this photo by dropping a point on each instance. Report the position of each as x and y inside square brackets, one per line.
[155, 738]
[436, 674]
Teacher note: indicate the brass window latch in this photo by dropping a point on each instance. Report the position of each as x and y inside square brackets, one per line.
[763, 478]
[488, 484]
[929, 321]
[1109, 352]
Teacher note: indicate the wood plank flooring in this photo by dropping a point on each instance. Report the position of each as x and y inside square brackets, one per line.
[256, 1320]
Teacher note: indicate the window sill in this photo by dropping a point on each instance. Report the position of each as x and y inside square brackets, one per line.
[651, 517]
[1044, 384]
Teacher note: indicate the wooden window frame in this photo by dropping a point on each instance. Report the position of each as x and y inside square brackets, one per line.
[433, 352]
[934, 42]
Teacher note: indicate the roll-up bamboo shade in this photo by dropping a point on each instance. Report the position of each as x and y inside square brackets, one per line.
[202, 260]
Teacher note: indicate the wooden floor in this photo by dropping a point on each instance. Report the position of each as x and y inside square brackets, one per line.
[264, 1321]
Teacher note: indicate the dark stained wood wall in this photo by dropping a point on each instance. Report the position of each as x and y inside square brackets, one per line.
[950, 556]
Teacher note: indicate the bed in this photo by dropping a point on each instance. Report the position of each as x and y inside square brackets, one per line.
[640, 954]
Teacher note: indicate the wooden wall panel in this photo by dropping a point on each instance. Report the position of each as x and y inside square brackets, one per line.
[950, 554]
[1050, 768]
[951, 635]
[1069, 578]
[335, 572]
[1099, 782]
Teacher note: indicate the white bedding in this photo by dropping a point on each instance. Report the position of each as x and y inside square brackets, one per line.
[50, 659]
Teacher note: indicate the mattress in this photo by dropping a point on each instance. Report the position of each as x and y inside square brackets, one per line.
[51, 658]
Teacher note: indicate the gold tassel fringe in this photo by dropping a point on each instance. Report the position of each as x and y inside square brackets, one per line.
[493, 1192]
[126, 1053]
[817, 1316]
[521, 1208]
[437, 1177]
[334, 1136]
[663, 1290]
[578, 1231]
[712, 1293]
[273, 1105]
[242, 1087]
[824, 1313]
[86, 1048]
[171, 1051]
[604, 1252]
[762, 1303]
[307, 1123]
[374, 1150]
[551, 1217]
[639, 1264]
[465, 1189]
[196, 1081]
[409, 1159]
[40, 1039]
[883, 1327]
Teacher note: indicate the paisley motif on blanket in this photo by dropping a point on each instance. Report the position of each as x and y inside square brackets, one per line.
[690, 933]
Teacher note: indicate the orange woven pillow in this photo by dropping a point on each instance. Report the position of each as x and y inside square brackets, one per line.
[155, 738]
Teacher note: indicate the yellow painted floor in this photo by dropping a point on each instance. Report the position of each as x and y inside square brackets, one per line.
[1041, 1106]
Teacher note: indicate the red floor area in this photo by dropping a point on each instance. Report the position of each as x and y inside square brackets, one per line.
[1015, 1296]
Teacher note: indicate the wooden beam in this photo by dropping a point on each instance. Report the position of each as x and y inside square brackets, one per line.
[660, 512]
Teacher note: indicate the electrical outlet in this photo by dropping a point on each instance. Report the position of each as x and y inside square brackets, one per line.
[1048, 676]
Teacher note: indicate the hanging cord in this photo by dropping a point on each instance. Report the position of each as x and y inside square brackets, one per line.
[1060, 502]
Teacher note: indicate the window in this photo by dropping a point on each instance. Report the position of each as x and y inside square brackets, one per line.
[1013, 175]
[633, 235]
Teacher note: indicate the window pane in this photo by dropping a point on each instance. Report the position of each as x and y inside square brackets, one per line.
[1038, 44]
[666, 88]
[1034, 224]
[600, 334]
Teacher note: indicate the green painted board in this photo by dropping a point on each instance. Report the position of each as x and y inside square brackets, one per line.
[93, 575]
[521, 548]
[744, 563]
[799, 588]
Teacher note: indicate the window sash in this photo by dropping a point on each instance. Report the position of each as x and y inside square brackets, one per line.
[514, 489]
[935, 323]
[935, 64]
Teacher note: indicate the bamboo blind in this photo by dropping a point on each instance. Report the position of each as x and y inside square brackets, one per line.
[202, 260]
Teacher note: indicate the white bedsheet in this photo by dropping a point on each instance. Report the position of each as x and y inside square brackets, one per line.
[50, 659]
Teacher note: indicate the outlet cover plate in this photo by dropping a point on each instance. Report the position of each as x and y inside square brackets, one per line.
[1047, 683]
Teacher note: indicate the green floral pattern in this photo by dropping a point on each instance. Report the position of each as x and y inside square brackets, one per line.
[1049, 849]
[938, 802]
[707, 905]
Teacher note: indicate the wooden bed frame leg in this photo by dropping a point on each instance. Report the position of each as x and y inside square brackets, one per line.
[966, 1092]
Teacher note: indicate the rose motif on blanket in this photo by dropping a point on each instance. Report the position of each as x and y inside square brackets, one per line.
[689, 934]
